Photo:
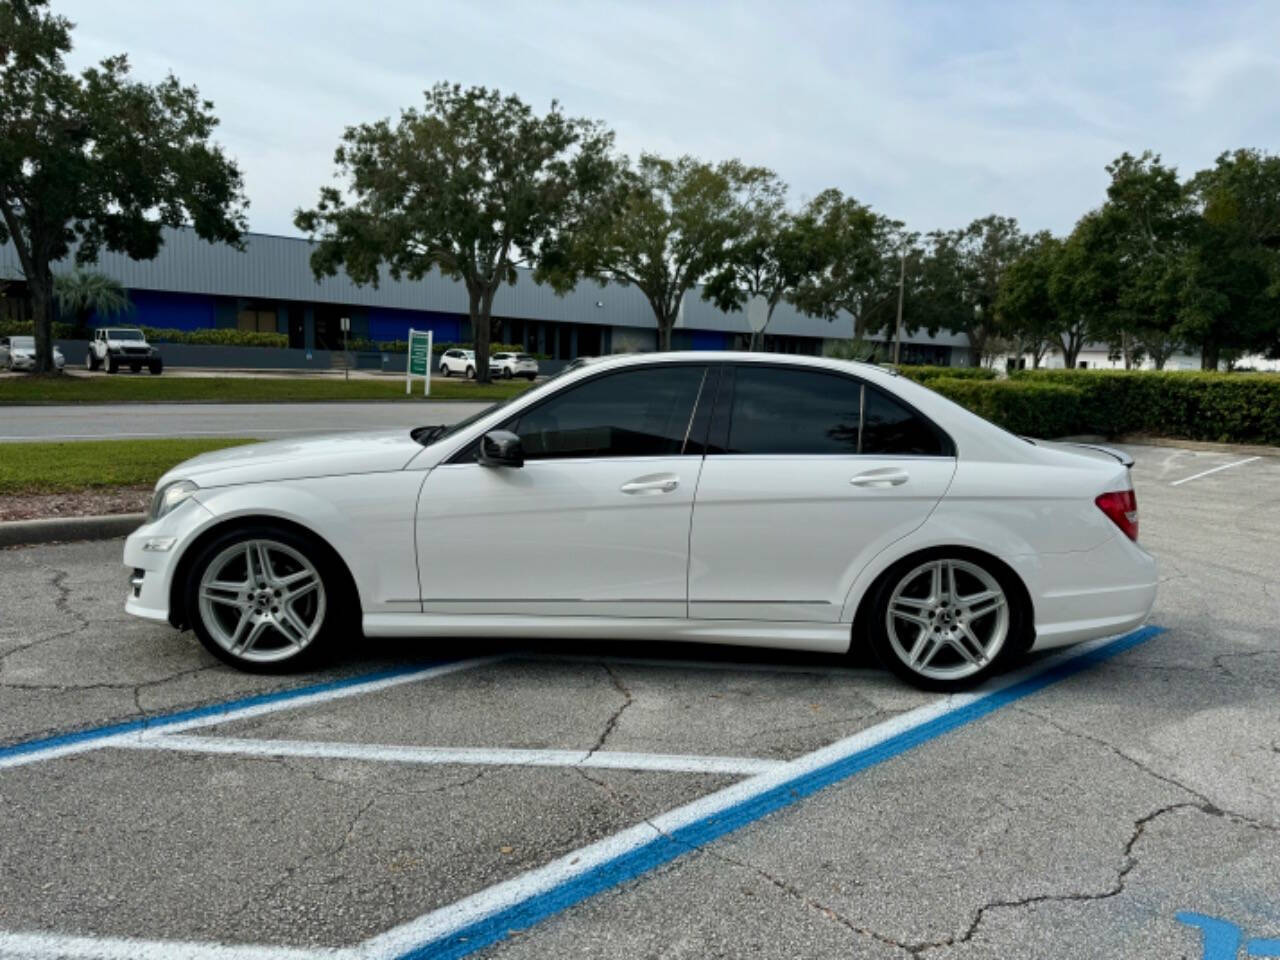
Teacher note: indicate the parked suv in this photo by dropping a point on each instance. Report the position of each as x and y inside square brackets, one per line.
[510, 365]
[458, 361]
[113, 347]
[19, 353]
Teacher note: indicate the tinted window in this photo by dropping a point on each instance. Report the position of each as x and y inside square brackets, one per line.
[635, 413]
[890, 428]
[793, 411]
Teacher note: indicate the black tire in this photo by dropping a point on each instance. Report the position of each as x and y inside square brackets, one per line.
[471, 373]
[873, 619]
[112, 365]
[444, 370]
[341, 617]
[91, 360]
[156, 367]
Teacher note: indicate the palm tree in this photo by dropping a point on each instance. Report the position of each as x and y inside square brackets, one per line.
[81, 293]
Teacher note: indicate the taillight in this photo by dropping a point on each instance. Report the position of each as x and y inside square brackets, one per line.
[1122, 507]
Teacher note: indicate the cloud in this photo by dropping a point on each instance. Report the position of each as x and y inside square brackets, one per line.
[935, 113]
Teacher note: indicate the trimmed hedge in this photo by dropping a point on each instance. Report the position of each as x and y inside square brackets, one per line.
[1221, 407]
[1026, 408]
[220, 336]
[927, 374]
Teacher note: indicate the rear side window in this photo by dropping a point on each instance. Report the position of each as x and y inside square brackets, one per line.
[633, 413]
[890, 428]
[776, 410]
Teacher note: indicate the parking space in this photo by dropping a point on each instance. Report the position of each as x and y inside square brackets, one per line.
[596, 801]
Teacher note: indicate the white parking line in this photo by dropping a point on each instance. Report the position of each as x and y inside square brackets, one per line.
[505, 757]
[63, 745]
[50, 946]
[1205, 473]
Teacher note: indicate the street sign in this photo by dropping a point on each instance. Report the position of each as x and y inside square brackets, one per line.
[419, 361]
[757, 313]
[345, 324]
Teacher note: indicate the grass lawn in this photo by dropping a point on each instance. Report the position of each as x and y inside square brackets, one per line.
[94, 464]
[126, 388]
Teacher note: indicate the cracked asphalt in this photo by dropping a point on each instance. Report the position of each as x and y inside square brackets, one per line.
[1075, 823]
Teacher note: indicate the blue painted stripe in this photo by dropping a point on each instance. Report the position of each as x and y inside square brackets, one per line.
[161, 720]
[664, 849]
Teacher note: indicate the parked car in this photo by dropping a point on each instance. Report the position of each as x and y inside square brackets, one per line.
[508, 365]
[458, 361]
[114, 347]
[794, 502]
[19, 353]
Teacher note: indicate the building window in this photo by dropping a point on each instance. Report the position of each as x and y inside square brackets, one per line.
[256, 321]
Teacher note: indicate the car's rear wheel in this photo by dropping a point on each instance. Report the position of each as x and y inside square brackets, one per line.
[112, 365]
[947, 621]
[156, 367]
[262, 599]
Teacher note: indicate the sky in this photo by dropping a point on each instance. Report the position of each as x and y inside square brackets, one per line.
[932, 113]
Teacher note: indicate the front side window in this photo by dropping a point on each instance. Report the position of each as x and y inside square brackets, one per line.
[632, 413]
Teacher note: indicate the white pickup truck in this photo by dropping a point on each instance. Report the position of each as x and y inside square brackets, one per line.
[114, 347]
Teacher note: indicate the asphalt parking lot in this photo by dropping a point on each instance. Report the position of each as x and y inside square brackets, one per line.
[642, 801]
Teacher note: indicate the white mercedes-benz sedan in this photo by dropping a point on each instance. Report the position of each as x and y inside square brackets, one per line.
[757, 499]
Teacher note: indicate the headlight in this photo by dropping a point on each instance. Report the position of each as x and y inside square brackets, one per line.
[170, 496]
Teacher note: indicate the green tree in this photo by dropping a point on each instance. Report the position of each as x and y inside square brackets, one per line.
[82, 293]
[670, 224]
[1231, 296]
[474, 185]
[98, 160]
[777, 252]
[1026, 313]
[1085, 285]
[860, 256]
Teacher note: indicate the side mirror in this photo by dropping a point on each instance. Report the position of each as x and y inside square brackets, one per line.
[500, 448]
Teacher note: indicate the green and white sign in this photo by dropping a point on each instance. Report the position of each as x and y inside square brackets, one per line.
[419, 364]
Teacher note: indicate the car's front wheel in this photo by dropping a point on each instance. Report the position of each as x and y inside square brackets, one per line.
[444, 370]
[947, 621]
[471, 373]
[506, 373]
[263, 599]
[91, 360]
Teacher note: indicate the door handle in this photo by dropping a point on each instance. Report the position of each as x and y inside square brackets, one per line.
[663, 483]
[881, 478]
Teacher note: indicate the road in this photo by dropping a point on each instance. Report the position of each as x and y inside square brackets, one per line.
[265, 421]
[1103, 810]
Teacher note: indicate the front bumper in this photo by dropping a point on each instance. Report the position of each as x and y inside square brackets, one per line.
[152, 553]
[29, 363]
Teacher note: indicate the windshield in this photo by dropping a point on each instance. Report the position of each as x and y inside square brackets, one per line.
[22, 343]
[124, 335]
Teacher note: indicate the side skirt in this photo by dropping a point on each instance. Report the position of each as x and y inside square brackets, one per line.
[781, 634]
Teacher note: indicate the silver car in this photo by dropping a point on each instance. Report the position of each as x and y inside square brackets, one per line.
[508, 365]
[19, 353]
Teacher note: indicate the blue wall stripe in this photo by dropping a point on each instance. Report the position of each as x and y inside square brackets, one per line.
[664, 849]
[155, 721]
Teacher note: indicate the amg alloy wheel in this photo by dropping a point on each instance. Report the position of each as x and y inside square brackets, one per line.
[260, 599]
[944, 623]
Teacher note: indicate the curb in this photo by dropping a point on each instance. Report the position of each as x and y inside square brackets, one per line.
[15, 533]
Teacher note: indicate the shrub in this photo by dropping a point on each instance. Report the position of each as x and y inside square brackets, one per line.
[1026, 408]
[220, 336]
[26, 328]
[1223, 407]
[927, 374]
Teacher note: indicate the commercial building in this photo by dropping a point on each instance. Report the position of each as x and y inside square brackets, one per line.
[269, 286]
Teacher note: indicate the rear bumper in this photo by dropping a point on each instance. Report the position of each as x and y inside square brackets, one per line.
[1094, 593]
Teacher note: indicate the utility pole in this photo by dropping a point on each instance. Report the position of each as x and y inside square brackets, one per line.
[902, 279]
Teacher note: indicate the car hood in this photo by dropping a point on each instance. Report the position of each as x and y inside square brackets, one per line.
[323, 456]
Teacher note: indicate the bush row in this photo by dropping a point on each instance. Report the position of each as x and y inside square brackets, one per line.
[1227, 408]
[220, 336]
[927, 374]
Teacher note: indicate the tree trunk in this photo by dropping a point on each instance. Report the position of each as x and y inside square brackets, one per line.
[479, 307]
[1209, 356]
[40, 287]
[664, 332]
